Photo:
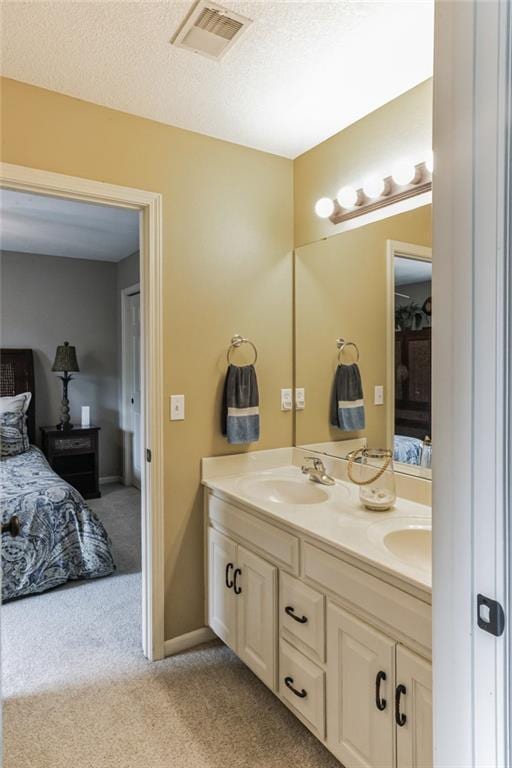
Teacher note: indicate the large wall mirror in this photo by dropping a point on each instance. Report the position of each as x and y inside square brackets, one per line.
[363, 315]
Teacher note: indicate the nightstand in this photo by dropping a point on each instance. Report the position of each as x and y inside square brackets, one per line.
[74, 455]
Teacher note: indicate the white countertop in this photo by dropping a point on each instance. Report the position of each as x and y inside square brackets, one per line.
[336, 518]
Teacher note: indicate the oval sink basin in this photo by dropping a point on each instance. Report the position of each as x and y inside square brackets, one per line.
[412, 546]
[282, 491]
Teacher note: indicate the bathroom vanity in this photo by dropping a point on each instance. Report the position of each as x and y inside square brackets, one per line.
[327, 603]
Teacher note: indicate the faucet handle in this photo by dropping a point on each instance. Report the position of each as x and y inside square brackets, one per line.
[317, 464]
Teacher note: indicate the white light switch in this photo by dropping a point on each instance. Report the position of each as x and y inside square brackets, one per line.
[378, 398]
[300, 398]
[177, 409]
[286, 400]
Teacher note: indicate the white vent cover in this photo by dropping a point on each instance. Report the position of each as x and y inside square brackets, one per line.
[210, 30]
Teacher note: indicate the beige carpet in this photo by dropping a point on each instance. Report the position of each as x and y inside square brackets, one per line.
[79, 694]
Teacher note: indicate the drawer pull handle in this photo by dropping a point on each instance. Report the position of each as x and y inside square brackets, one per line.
[400, 717]
[300, 619]
[229, 582]
[380, 703]
[288, 681]
[238, 590]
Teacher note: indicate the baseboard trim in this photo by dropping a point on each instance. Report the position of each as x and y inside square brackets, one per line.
[110, 479]
[190, 640]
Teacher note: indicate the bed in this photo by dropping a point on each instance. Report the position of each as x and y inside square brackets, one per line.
[60, 538]
[407, 450]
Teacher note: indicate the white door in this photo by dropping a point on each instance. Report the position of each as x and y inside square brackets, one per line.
[256, 585]
[221, 581]
[134, 394]
[414, 710]
[472, 383]
[360, 690]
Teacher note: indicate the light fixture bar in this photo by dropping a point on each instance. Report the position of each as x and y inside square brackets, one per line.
[392, 192]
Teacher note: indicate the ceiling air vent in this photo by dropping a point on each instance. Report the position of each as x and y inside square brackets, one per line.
[210, 30]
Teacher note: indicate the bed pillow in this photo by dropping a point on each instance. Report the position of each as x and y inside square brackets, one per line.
[13, 424]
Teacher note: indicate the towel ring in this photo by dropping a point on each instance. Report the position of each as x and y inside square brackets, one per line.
[342, 344]
[236, 342]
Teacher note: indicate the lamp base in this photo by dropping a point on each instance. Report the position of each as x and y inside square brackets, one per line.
[64, 426]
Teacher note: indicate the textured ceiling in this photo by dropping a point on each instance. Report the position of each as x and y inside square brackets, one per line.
[57, 227]
[300, 73]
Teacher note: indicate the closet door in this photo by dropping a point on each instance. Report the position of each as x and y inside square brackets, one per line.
[413, 710]
[360, 678]
[256, 588]
[221, 595]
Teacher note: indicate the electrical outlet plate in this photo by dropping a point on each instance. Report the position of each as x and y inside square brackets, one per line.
[300, 398]
[378, 397]
[286, 400]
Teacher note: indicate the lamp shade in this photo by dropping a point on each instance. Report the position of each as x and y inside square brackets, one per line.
[65, 358]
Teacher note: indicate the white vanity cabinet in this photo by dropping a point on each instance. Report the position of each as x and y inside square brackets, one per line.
[378, 694]
[337, 643]
[242, 600]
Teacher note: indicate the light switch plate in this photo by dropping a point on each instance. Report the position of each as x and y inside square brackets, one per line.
[286, 400]
[177, 408]
[300, 398]
[378, 398]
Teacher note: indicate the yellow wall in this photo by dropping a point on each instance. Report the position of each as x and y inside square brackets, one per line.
[341, 290]
[400, 129]
[228, 237]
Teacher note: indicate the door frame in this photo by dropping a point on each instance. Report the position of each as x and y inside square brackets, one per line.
[149, 204]
[125, 409]
[406, 251]
[472, 384]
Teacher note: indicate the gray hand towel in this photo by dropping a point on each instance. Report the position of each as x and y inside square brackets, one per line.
[240, 418]
[347, 405]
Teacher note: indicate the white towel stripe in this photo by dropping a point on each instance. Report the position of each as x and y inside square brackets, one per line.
[350, 403]
[244, 411]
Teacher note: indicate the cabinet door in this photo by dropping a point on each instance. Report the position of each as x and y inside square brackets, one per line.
[257, 615]
[360, 725]
[414, 737]
[221, 595]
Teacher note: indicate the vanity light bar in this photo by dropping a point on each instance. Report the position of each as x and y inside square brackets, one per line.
[406, 180]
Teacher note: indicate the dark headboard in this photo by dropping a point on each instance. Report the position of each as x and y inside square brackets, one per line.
[17, 376]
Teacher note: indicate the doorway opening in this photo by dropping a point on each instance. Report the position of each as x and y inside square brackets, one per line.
[149, 445]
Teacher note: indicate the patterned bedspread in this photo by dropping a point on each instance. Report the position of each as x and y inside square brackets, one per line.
[407, 449]
[60, 538]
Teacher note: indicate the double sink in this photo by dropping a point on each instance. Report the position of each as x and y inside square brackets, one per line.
[401, 539]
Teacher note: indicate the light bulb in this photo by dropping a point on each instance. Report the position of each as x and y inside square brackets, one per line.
[404, 172]
[347, 197]
[373, 186]
[429, 161]
[324, 207]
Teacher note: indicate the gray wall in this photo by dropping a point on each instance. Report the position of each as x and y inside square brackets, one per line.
[128, 272]
[46, 300]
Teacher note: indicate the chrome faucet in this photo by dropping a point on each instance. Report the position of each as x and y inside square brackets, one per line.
[316, 471]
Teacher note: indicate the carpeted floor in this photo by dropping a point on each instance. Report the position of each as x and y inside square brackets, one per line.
[79, 694]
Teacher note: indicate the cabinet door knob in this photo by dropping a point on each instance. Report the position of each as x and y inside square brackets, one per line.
[380, 703]
[288, 681]
[238, 590]
[291, 612]
[400, 717]
[229, 582]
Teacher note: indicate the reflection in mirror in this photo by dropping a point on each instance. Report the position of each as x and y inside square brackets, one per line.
[412, 316]
[346, 288]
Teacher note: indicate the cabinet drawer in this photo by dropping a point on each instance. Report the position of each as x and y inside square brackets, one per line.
[302, 686]
[302, 616]
[395, 608]
[65, 444]
[281, 547]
